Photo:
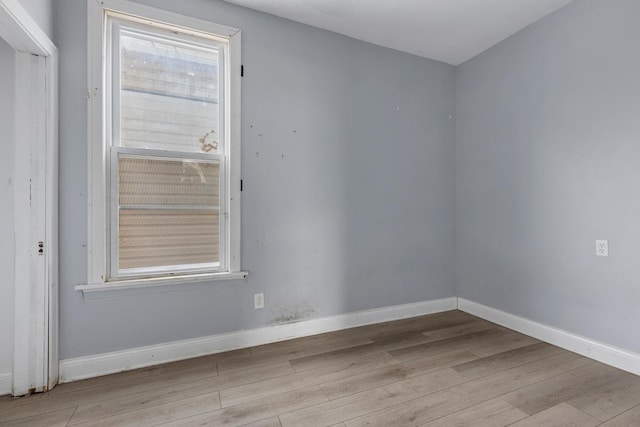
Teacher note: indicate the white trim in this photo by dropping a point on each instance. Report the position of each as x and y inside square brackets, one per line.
[21, 32]
[233, 124]
[36, 195]
[102, 364]
[100, 270]
[614, 356]
[160, 281]
[164, 16]
[96, 196]
[31, 333]
[51, 216]
[6, 383]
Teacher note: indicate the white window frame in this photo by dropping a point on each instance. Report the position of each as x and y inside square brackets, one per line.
[99, 205]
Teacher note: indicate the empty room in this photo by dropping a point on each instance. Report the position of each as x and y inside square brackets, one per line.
[320, 213]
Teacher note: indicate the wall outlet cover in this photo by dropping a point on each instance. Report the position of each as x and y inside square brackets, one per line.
[258, 301]
[602, 247]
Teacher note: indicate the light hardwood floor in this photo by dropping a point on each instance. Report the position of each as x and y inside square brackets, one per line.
[446, 369]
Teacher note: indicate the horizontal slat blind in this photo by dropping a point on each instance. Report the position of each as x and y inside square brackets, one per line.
[151, 238]
[167, 181]
[168, 211]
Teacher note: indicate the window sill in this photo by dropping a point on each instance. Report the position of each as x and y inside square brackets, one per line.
[160, 281]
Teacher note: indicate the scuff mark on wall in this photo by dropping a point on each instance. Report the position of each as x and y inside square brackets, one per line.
[292, 313]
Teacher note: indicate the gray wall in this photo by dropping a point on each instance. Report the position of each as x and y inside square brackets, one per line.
[548, 161]
[41, 12]
[348, 165]
[7, 223]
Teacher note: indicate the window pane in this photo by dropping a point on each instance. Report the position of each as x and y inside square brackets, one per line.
[156, 238]
[168, 94]
[168, 212]
[144, 181]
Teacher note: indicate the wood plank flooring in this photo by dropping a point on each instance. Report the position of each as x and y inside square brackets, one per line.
[446, 369]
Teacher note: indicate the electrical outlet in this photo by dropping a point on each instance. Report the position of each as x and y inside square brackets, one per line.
[258, 301]
[602, 247]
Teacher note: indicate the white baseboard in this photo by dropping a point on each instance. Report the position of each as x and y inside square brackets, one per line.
[108, 363]
[6, 383]
[601, 352]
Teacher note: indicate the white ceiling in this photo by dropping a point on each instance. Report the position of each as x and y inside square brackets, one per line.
[446, 30]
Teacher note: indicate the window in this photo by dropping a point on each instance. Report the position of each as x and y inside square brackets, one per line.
[164, 146]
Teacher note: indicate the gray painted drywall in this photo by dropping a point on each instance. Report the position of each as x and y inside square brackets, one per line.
[548, 161]
[41, 12]
[7, 241]
[348, 202]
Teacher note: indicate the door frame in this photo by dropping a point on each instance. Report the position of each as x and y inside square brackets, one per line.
[35, 365]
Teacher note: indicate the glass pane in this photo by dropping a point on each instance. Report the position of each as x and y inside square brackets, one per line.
[168, 94]
[174, 238]
[145, 181]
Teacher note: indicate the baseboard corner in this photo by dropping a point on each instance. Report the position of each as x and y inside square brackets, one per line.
[602, 352]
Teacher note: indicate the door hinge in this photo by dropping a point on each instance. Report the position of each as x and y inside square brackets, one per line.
[241, 185]
[242, 71]
[40, 248]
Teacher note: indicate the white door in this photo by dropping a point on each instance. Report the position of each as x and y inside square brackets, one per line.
[30, 362]
[30, 222]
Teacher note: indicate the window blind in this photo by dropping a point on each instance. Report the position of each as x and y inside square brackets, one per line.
[168, 211]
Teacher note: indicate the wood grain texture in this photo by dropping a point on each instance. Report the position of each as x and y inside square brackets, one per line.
[553, 391]
[258, 409]
[463, 329]
[321, 375]
[440, 346]
[626, 419]
[397, 372]
[611, 399]
[49, 419]
[342, 409]
[506, 360]
[447, 369]
[493, 413]
[129, 403]
[269, 422]
[562, 415]
[431, 406]
[161, 414]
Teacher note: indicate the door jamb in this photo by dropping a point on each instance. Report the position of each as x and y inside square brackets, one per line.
[36, 289]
